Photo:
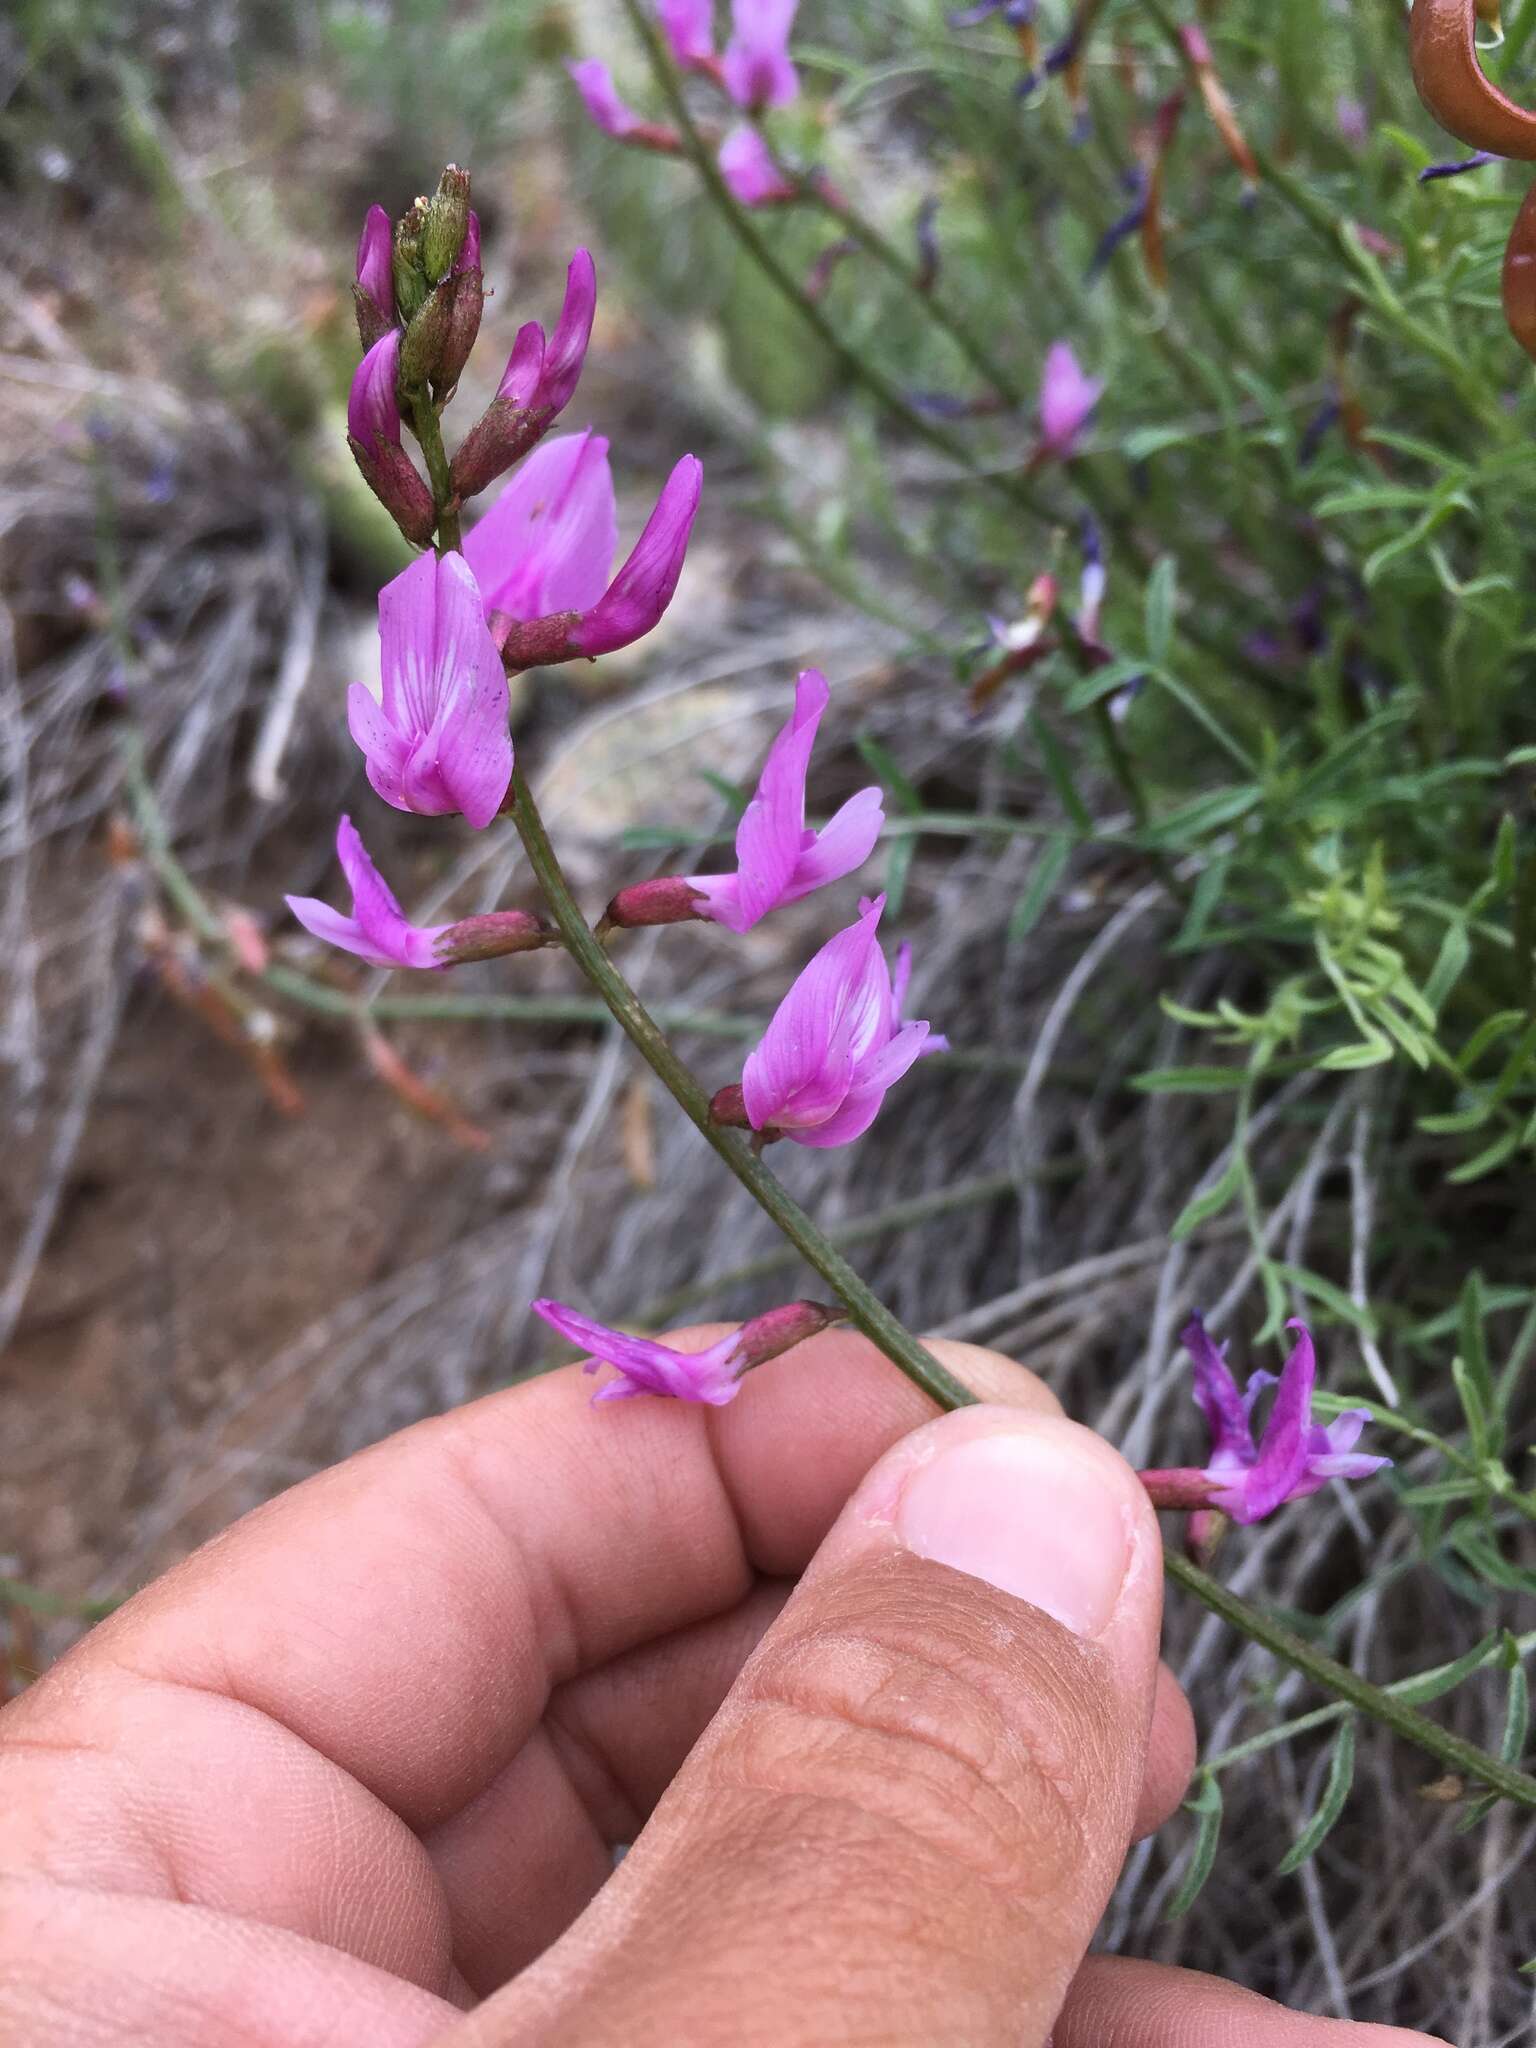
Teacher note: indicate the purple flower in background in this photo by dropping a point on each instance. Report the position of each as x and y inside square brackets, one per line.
[543, 553]
[1067, 399]
[712, 1376]
[1351, 119]
[689, 29]
[747, 166]
[378, 930]
[438, 740]
[1294, 1456]
[836, 1043]
[756, 66]
[594, 82]
[778, 859]
[373, 411]
[1474, 162]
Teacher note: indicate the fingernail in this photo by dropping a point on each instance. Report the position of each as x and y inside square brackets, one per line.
[1034, 1511]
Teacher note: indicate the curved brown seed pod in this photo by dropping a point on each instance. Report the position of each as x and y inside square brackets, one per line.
[1454, 86]
[1519, 281]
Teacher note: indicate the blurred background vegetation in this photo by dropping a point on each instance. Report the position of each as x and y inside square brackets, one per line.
[1233, 934]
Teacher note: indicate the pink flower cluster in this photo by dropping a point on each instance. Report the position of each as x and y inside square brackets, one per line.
[535, 583]
[754, 71]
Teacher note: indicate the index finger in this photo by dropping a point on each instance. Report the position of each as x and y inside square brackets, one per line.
[408, 1613]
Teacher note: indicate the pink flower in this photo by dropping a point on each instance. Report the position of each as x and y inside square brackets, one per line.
[373, 411]
[378, 930]
[778, 860]
[747, 166]
[756, 65]
[836, 1043]
[689, 29]
[713, 1376]
[594, 81]
[543, 553]
[438, 741]
[536, 386]
[1067, 398]
[1294, 1456]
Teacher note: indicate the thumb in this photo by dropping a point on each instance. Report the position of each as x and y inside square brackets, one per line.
[905, 1821]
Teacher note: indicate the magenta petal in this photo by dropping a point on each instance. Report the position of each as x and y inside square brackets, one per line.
[804, 1063]
[1067, 397]
[1217, 1393]
[689, 28]
[378, 930]
[844, 843]
[520, 379]
[747, 166]
[756, 65]
[1281, 1465]
[567, 349]
[770, 835]
[862, 1104]
[650, 1368]
[594, 82]
[547, 543]
[643, 588]
[375, 264]
[373, 411]
[439, 741]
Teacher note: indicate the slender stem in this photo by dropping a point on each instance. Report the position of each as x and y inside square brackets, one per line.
[864, 1308]
[1394, 1713]
[429, 432]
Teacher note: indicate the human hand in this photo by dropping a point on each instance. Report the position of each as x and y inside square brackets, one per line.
[354, 1772]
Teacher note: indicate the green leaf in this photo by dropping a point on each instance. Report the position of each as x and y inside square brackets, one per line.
[1486, 1161]
[1162, 594]
[882, 764]
[1205, 1803]
[1473, 1407]
[898, 869]
[1204, 899]
[1316, 1288]
[1472, 1311]
[1341, 1776]
[1374, 1051]
[1455, 952]
[1050, 863]
[1201, 1208]
[732, 793]
[1053, 757]
[1517, 1722]
[1191, 1080]
[1204, 814]
[1102, 682]
[1433, 1685]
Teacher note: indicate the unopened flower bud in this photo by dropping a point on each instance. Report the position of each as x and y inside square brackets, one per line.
[780, 1329]
[489, 937]
[728, 1107]
[374, 292]
[426, 337]
[394, 480]
[447, 219]
[411, 281]
[666, 899]
[466, 297]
